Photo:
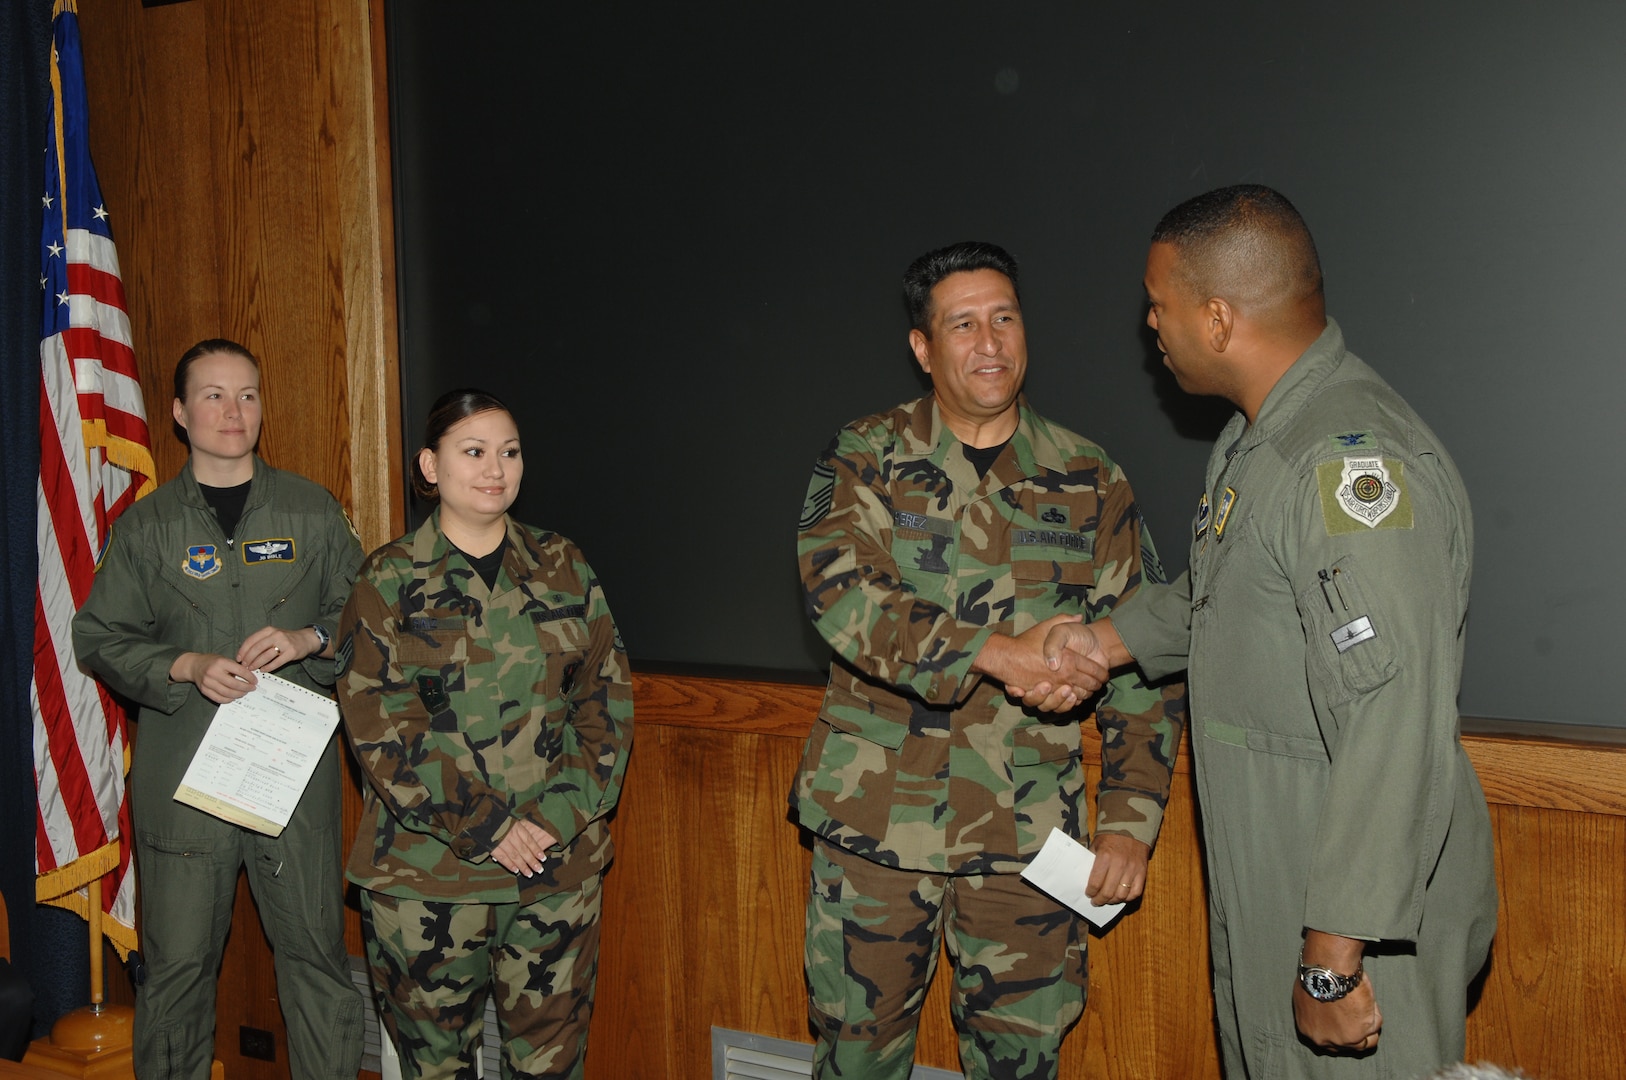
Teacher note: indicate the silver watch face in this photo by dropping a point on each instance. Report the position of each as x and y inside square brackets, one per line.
[1325, 985]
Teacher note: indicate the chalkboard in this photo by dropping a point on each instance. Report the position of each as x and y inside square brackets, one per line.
[671, 236]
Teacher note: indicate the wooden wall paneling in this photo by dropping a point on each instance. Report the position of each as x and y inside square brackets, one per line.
[359, 103]
[1551, 1000]
[278, 222]
[147, 81]
[242, 149]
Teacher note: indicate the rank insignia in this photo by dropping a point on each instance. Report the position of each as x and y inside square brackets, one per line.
[1363, 493]
[1353, 440]
[201, 561]
[1227, 503]
[432, 692]
[280, 549]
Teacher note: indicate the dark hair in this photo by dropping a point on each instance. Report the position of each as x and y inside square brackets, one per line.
[450, 409]
[1246, 243]
[925, 272]
[207, 347]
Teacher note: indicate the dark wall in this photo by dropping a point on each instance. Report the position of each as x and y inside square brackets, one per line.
[672, 239]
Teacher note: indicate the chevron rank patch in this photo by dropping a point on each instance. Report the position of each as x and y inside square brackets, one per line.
[1359, 493]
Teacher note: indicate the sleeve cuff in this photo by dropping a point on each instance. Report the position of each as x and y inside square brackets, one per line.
[1131, 814]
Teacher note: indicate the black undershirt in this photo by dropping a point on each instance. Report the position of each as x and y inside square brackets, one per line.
[982, 458]
[228, 504]
[486, 565]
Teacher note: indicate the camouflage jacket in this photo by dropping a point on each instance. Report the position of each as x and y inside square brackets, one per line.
[470, 708]
[910, 563]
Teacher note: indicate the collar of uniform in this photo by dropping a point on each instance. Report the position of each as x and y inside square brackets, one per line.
[259, 492]
[1297, 385]
[431, 550]
[1035, 448]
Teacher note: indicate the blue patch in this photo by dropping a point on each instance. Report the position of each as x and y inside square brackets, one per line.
[201, 561]
[279, 549]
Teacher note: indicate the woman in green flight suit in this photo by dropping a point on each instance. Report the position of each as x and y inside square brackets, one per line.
[231, 568]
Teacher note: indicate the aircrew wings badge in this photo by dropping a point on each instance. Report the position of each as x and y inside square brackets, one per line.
[1367, 492]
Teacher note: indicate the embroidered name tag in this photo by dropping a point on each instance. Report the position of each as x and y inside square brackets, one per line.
[201, 561]
[1053, 538]
[569, 611]
[1227, 503]
[1351, 634]
[280, 549]
[428, 624]
[922, 523]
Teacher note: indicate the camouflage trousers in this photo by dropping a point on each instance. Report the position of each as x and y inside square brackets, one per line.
[434, 964]
[873, 936]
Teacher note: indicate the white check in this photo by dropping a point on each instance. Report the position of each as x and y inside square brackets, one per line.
[1062, 869]
[259, 753]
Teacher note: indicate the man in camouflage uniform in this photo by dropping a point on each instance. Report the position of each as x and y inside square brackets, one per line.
[939, 543]
[472, 708]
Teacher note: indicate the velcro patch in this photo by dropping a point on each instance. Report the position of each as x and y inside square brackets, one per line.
[1352, 633]
[278, 549]
[925, 523]
[569, 611]
[820, 492]
[1054, 538]
[1359, 493]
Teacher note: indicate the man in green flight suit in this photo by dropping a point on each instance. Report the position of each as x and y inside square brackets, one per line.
[940, 541]
[1351, 888]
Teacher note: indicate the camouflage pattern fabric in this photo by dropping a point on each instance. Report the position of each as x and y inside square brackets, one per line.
[469, 708]
[434, 963]
[910, 562]
[1019, 982]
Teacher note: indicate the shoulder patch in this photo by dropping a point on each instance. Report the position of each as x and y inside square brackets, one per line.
[820, 492]
[345, 652]
[201, 561]
[1363, 493]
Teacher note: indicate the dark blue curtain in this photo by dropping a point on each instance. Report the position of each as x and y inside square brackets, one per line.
[48, 945]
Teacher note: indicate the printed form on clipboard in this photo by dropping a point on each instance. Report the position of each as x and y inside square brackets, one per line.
[259, 754]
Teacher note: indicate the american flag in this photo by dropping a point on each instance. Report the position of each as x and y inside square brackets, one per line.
[95, 460]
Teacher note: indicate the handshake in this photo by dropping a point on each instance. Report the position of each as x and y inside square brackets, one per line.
[1061, 662]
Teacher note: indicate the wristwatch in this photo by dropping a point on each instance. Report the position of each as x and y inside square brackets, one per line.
[1324, 984]
[322, 636]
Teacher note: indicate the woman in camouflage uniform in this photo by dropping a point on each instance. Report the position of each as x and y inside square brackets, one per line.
[487, 697]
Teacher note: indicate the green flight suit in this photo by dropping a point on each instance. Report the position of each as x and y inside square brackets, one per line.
[1321, 625]
[171, 582]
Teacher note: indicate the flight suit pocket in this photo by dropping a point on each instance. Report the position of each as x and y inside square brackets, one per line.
[1350, 652]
